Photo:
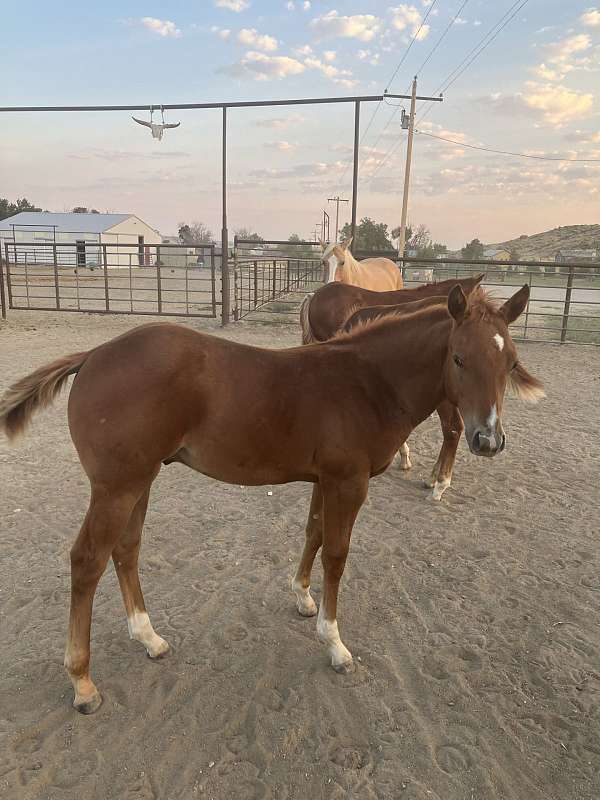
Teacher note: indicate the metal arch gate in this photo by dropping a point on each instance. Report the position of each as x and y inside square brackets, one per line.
[110, 278]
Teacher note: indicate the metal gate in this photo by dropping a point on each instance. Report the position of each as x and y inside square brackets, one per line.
[110, 278]
[272, 277]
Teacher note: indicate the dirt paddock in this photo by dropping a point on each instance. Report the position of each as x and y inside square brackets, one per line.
[474, 621]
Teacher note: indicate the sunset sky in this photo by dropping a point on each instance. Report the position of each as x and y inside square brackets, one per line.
[534, 89]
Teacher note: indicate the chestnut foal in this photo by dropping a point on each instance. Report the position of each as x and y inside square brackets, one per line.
[331, 414]
[331, 308]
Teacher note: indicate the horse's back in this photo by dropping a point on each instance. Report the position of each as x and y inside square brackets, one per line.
[380, 275]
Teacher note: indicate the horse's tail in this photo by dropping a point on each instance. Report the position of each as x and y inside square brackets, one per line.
[35, 391]
[307, 334]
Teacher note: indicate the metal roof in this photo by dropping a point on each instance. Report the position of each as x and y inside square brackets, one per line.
[69, 222]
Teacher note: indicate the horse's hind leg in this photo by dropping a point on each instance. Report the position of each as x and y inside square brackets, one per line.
[314, 538]
[125, 557]
[341, 504]
[452, 428]
[404, 453]
[105, 522]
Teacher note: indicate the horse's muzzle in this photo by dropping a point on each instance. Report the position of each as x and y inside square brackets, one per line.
[487, 444]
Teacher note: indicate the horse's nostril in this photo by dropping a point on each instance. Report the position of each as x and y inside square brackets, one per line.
[476, 443]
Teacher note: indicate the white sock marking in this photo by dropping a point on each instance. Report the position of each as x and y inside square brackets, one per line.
[304, 601]
[140, 628]
[327, 631]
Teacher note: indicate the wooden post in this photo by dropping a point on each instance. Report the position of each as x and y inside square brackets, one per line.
[411, 130]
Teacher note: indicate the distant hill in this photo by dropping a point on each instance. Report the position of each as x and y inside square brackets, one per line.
[544, 245]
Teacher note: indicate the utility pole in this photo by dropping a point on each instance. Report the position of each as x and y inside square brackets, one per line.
[325, 226]
[411, 130]
[337, 200]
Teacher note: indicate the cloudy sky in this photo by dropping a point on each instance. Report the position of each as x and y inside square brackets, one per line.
[533, 90]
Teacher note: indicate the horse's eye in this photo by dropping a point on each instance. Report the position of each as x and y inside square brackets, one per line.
[458, 361]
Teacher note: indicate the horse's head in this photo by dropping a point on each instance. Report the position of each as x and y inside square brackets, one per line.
[481, 360]
[334, 256]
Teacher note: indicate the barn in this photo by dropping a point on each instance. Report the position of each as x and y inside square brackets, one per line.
[31, 236]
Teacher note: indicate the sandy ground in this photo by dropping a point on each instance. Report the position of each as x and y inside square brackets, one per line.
[475, 620]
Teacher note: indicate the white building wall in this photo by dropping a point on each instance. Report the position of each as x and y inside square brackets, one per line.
[128, 233]
[124, 233]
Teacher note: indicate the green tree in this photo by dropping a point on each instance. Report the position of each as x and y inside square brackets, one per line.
[84, 210]
[8, 209]
[370, 235]
[473, 249]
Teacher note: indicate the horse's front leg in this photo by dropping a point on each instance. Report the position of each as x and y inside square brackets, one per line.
[342, 500]
[452, 428]
[314, 538]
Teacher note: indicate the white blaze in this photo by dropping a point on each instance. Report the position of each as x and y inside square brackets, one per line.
[493, 417]
[499, 341]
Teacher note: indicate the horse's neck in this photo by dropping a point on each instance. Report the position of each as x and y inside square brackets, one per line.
[351, 268]
[412, 361]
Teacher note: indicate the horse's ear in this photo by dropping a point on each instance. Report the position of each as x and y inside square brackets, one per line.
[346, 243]
[457, 303]
[514, 307]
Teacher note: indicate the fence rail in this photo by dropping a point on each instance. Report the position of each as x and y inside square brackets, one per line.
[166, 280]
[564, 304]
[273, 286]
[269, 280]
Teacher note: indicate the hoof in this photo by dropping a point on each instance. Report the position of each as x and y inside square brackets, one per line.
[89, 706]
[438, 491]
[307, 610]
[406, 467]
[159, 652]
[344, 669]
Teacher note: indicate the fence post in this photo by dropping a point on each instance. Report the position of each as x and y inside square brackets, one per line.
[527, 309]
[274, 278]
[212, 281]
[159, 288]
[2, 296]
[255, 284]
[8, 284]
[565, 321]
[105, 265]
[287, 277]
[56, 289]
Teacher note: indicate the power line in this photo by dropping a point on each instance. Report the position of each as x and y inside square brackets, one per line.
[468, 64]
[389, 83]
[392, 116]
[413, 40]
[478, 49]
[508, 152]
[443, 36]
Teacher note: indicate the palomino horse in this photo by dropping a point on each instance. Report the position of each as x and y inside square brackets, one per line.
[331, 414]
[378, 274]
[328, 311]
